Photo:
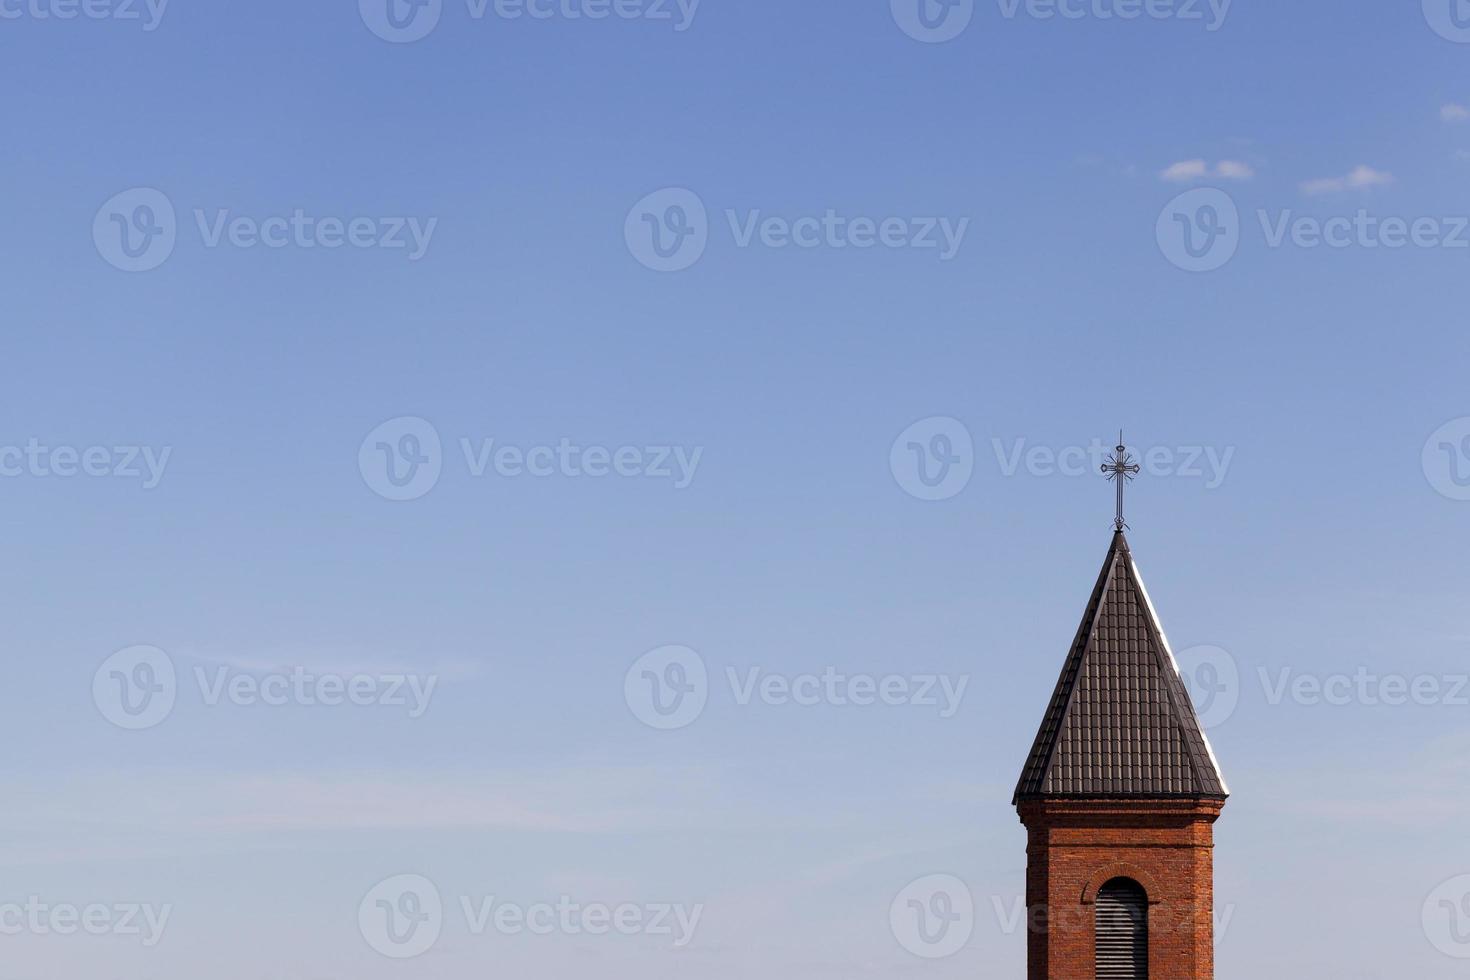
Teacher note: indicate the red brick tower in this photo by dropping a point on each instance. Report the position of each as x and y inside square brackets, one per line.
[1119, 798]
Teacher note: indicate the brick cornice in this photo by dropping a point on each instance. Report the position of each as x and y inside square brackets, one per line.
[1085, 812]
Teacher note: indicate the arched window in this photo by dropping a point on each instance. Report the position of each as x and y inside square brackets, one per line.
[1122, 931]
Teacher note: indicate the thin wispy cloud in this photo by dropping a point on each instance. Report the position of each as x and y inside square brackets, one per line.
[1454, 113]
[1106, 163]
[1190, 170]
[1422, 791]
[336, 660]
[120, 814]
[1360, 178]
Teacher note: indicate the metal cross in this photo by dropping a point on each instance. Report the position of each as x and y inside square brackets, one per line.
[1121, 469]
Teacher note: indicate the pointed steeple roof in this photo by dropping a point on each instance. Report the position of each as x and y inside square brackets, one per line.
[1120, 723]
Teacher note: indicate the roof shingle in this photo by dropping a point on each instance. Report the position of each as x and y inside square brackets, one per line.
[1120, 723]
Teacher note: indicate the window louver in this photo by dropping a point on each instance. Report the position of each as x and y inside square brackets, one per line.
[1122, 931]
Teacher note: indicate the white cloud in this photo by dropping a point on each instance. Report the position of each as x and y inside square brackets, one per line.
[1188, 170]
[1454, 113]
[1234, 170]
[1362, 176]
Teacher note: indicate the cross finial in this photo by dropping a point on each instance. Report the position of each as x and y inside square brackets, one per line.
[1121, 469]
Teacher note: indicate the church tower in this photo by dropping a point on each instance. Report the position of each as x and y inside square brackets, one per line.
[1119, 798]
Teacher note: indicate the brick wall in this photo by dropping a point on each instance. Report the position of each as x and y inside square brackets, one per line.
[1076, 846]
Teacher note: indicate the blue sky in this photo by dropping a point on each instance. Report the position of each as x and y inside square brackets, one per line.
[1302, 519]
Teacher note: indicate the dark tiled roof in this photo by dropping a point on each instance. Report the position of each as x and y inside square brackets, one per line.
[1120, 723]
